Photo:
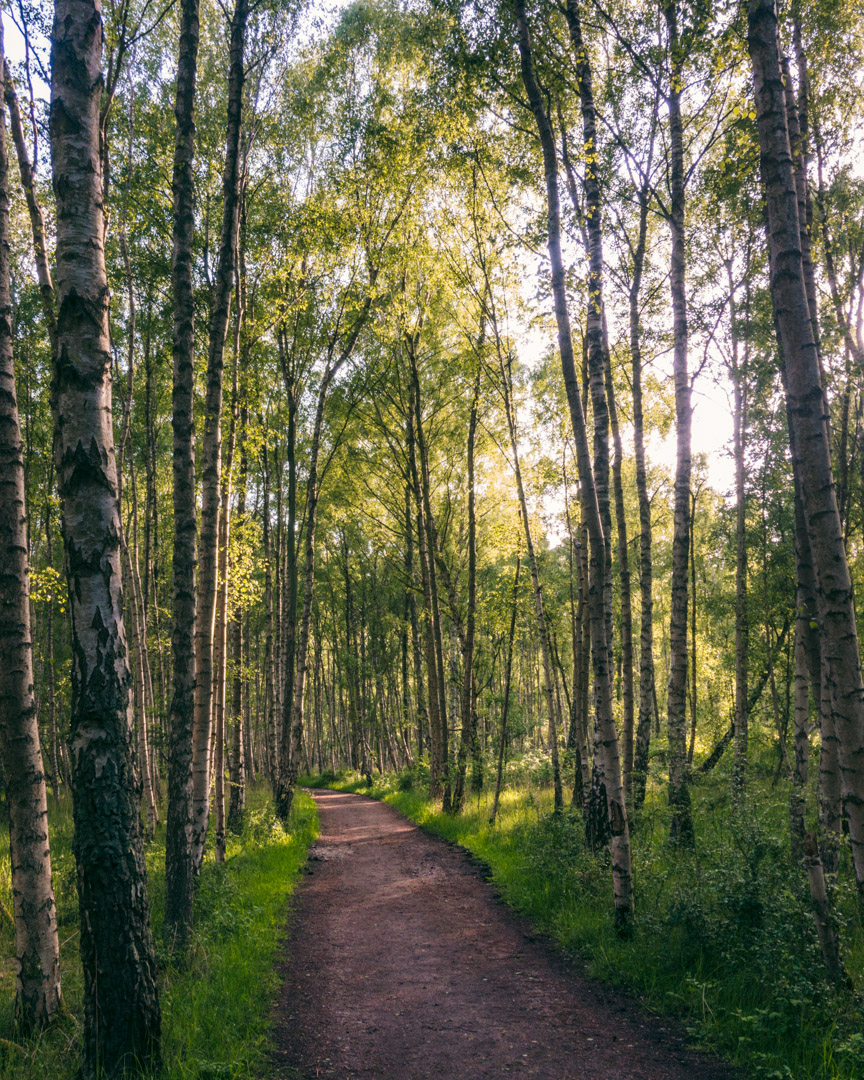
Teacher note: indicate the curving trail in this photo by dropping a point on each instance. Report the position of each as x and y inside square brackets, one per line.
[404, 966]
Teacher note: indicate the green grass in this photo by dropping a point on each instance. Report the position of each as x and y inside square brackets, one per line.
[724, 936]
[216, 1008]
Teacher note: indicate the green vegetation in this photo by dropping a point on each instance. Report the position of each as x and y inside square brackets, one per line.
[724, 934]
[216, 1007]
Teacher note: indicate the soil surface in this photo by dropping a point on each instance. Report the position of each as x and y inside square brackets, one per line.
[404, 965]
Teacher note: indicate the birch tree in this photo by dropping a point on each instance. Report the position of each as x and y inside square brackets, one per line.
[122, 1016]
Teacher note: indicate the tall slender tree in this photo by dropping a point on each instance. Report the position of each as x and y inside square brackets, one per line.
[179, 877]
[681, 828]
[212, 439]
[607, 737]
[811, 452]
[122, 1016]
[37, 985]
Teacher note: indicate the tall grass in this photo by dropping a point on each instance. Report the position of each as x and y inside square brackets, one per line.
[724, 939]
[216, 1006]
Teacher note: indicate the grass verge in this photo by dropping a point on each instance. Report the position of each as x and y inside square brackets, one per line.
[215, 1008]
[724, 936]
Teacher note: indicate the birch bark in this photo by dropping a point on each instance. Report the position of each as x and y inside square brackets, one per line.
[121, 1006]
[212, 443]
[809, 443]
[607, 736]
[37, 979]
[179, 877]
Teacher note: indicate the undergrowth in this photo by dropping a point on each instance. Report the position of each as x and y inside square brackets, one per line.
[215, 1007]
[724, 937]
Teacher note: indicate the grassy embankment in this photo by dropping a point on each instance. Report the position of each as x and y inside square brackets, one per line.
[724, 937]
[216, 1008]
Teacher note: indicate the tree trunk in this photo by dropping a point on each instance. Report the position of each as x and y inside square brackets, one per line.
[57, 764]
[220, 657]
[822, 912]
[646, 562]
[599, 361]
[576, 740]
[539, 607]
[852, 340]
[270, 718]
[212, 441]
[624, 583]
[505, 706]
[596, 357]
[694, 671]
[220, 645]
[121, 1005]
[800, 775]
[681, 828]
[617, 810]
[179, 877]
[739, 392]
[237, 764]
[807, 413]
[439, 735]
[416, 650]
[37, 952]
[288, 620]
[468, 741]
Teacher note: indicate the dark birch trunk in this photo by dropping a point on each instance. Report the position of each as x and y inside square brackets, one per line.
[739, 436]
[179, 876]
[624, 584]
[505, 706]
[288, 620]
[822, 913]
[212, 441]
[220, 656]
[416, 649]
[270, 719]
[681, 828]
[800, 775]
[468, 742]
[237, 763]
[220, 639]
[577, 742]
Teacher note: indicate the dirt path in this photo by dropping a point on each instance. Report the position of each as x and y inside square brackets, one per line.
[404, 966]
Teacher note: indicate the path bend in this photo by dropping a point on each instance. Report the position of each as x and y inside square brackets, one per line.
[403, 965]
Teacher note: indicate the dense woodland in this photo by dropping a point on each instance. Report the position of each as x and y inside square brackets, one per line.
[464, 391]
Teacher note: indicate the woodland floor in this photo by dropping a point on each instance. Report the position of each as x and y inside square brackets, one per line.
[404, 965]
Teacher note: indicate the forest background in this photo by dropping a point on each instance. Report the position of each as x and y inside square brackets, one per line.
[412, 310]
